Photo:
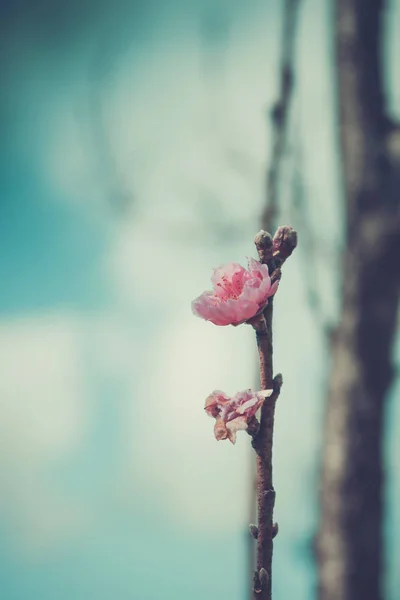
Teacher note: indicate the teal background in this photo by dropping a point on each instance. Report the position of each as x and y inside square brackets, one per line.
[135, 141]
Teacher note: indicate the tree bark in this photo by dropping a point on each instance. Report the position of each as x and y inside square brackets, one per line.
[349, 544]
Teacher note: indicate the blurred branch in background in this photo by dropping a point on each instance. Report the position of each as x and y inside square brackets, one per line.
[311, 246]
[349, 545]
[280, 113]
[106, 54]
[280, 118]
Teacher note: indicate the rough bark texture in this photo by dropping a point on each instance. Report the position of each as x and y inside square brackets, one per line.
[349, 544]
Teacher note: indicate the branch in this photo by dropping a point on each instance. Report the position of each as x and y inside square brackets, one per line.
[274, 253]
[280, 112]
[280, 120]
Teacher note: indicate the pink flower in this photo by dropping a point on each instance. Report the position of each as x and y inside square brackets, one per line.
[233, 414]
[238, 294]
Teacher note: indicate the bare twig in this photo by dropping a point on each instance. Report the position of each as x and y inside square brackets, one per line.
[280, 122]
[273, 253]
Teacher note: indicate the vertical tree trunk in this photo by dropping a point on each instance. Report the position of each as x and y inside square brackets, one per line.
[349, 545]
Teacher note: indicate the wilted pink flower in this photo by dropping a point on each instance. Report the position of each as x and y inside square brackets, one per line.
[238, 294]
[233, 414]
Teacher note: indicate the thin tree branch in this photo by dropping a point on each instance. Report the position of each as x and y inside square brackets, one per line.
[273, 253]
[280, 112]
[280, 121]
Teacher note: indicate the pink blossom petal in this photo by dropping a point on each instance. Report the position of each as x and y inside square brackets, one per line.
[259, 292]
[229, 310]
[274, 287]
[201, 305]
[250, 406]
[265, 287]
[246, 403]
[241, 311]
[233, 414]
[257, 269]
[210, 308]
[240, 397]
[228, 280]
[220, 430]
[255, 291]
[238, 424]
[215, 402]
[238, 294]
[219, 316]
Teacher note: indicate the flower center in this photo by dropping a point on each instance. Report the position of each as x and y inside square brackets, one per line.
[233, 288]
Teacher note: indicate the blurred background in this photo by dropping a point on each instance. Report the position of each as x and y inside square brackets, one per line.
[136, 154]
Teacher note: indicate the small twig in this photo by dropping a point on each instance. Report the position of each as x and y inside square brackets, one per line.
[273, 252]
[280, 121]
